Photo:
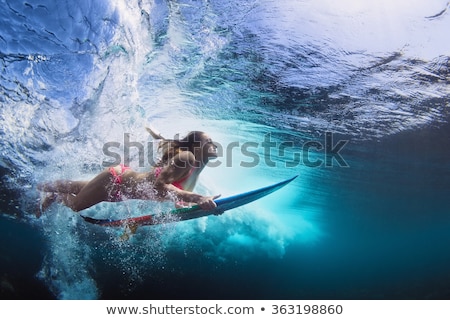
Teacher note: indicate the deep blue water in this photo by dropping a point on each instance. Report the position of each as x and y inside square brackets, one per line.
[368, 222]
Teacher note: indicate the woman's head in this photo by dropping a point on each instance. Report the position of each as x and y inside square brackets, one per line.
[197, 142]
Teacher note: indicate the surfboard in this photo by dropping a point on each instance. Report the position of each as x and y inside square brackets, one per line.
[194, 212]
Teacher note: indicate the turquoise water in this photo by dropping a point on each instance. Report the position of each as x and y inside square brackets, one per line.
[352, 97]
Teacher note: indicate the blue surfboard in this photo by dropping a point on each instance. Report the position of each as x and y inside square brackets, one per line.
[193, 212]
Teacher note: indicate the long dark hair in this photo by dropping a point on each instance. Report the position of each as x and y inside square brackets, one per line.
[171, 147]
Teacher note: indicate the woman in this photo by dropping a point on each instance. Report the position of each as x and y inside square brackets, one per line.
[173, 178]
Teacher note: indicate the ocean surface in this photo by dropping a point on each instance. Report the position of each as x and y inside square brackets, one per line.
[351, 96]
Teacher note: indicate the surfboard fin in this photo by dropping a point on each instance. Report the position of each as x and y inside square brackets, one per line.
[128, 231]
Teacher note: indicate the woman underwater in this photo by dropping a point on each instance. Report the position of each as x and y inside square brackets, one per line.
[173, 178]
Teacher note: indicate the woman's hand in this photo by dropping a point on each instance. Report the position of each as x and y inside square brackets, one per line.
[207, 203]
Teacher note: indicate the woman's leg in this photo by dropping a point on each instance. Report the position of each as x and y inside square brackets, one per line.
[93, 192]
[63, 186]
[78, 195]
[58, 190]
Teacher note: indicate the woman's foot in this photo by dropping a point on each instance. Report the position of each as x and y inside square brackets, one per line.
[45, 203]
[48, 186]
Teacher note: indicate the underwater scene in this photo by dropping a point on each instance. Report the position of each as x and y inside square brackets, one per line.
[350, 96]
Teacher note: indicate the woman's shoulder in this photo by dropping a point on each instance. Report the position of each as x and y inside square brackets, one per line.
[184, 159]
